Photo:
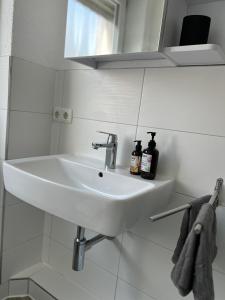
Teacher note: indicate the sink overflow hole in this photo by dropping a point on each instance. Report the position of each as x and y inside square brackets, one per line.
[100, 174]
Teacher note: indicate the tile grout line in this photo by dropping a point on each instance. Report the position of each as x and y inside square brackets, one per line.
[138, 289]
[144, 126]
[103, 121]
[184, 131]
[50, 238]
[141, 96]
[31, 112]
[6, 250]
[59, 132]
[117, 276]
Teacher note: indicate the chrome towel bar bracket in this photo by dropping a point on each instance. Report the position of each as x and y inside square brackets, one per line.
[214, 201]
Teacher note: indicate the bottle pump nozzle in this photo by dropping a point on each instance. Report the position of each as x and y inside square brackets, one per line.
[138, 146]
[152, 142]
[153, 134]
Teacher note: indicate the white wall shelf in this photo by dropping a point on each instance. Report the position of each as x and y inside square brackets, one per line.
[196, 55]
[129, 60]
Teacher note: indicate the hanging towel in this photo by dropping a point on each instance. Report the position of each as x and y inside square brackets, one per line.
[189, 218]
[193, 270]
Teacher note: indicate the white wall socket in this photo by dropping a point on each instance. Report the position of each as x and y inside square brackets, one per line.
[61, 114]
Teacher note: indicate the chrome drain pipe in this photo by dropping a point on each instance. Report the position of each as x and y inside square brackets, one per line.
[81, 245]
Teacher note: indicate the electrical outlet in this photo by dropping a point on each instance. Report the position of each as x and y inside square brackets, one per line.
[63, 115]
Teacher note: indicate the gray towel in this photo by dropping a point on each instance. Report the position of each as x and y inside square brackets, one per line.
[193, 270]
[189, 218]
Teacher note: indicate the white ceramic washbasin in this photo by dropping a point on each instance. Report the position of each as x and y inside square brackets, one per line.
[73, 188]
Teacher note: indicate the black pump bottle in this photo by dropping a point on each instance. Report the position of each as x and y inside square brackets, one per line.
[150, 158]
[135, 164]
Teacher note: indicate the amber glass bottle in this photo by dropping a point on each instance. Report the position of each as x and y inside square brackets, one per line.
[135, 164]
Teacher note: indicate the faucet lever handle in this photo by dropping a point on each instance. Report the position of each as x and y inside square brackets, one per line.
[112, 135]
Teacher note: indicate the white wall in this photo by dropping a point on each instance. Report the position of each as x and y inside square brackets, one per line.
[186, 107]
[215, 10]
[39, 32]
[6, 25]
[6, 21]
[26, 97]
[4, 94]
[32, 88]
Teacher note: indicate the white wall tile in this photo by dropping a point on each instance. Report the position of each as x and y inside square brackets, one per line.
[189, 99]
[47, 224]
[45, 249]
[32, 87]
[63, 232]
[164, 232]
[6, 26]
[22, 223]
[195, 160]
[11, 200]
[77, 138]
[125, 291]
[219, 286]
[219, 263]
[4, 80]
[58, 99]
[59, 287]
[2, 192]
[105, 254]
[215, 10]
[55, 137]
[100, 283]
[147, 267]
[59, 87]
[106, 95]
[18, 287]
[4, 290]
[3, 132]
[39, 32]
[1, 216]
[37, 293]
[21, 257]
[29, 134]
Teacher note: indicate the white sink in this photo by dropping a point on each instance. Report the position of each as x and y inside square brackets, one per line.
[71, 188]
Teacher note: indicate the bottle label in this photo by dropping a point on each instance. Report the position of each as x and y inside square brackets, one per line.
[135, 164]
[146, 162]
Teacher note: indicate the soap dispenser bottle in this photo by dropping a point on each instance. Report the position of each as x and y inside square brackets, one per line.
[150, 159]
[135, 165]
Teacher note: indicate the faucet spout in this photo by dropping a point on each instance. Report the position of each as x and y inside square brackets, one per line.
[96, 146]
[111, 150]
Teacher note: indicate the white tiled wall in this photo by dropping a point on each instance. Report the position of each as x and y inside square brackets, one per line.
[186, 107]
[6, 27]
[29, 133]
[39, 32]
[4, 94]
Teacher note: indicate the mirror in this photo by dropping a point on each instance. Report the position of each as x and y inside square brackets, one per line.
[104, 27]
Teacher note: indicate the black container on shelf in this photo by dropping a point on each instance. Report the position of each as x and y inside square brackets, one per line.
[195, 30]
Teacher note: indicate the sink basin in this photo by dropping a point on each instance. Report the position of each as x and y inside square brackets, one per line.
[79, 190]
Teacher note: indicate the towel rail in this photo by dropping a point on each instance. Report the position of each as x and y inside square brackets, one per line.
[213, 201]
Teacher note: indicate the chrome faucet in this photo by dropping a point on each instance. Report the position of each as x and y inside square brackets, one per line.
[111, 149]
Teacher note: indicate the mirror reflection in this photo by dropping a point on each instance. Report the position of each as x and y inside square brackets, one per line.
[102, 27]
